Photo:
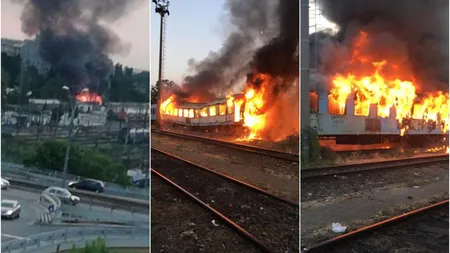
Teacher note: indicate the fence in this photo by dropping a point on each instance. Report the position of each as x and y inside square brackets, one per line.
[71, 236]
[52, 177]
[132, 205]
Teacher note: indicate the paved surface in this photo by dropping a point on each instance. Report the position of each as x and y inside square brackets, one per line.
[24, 226]
[348, 210]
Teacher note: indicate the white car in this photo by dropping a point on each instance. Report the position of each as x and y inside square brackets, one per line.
[10, 209]
[4, 184]
[63, 194]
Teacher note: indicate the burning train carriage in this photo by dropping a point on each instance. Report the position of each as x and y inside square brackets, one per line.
[222, 112]
[347, 127]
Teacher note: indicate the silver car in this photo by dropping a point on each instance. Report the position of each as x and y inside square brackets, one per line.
[10, 209]
[63, 194]
[4, 183]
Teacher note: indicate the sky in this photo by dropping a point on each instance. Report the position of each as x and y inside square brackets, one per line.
[193, 29]
[133, 29]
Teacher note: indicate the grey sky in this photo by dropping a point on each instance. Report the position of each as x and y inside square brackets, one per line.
[133, 29]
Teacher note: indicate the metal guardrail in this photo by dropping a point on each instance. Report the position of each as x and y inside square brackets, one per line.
[65, 236]
[52, 177]
[92, 199]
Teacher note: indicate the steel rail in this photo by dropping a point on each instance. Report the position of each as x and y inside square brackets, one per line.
[348, 236]
[247, 148]
[322, 172]
[232, 179]
[247, 235]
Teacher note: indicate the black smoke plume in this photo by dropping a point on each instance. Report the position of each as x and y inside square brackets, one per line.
[413, 31]
[264, 36]
[71, 38]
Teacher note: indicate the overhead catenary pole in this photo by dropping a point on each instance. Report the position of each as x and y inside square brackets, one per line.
[162, 8]
[304, 80]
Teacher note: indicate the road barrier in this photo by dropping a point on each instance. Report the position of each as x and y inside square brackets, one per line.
[44, 218]
[91, 198]
[67, 237]
[52, 177]
[53, 209]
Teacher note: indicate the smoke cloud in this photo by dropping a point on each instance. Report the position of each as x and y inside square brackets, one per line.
[71, 37]
[264, 38]
[414, 34]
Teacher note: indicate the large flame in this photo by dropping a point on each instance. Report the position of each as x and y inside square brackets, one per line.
[379, 82]
[249, 109]
[86, 97]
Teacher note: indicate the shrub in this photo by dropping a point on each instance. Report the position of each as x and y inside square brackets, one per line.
[97, 246]
[83, 161]
[314, 144]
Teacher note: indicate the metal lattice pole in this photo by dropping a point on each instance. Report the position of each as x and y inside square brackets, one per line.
[304, 79]
[162, 8]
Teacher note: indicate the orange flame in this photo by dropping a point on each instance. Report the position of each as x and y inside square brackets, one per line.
[167, 107]
[86, 97]
[374, 86]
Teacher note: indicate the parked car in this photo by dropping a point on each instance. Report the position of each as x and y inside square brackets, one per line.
[63, 194]
[4, 184]
[88, 185]
[10, 209]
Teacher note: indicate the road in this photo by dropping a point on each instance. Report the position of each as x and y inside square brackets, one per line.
[25, 227]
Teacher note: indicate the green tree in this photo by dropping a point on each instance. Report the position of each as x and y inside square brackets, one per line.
[84, 161]
[166, 85]
[6, 78]
[128, 86]
[11, 64]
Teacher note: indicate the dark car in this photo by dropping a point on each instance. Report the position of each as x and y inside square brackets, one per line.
[88, 185]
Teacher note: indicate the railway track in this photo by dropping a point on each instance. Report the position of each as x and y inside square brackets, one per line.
[247, 148]
[175, 229]
[421, 230]
[319, 173]
[260, 216]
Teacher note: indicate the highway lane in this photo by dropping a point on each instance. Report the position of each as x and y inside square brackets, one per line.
[24, 226]
[15, 229]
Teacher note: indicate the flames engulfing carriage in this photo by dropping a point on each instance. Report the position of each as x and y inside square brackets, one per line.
[219, 113]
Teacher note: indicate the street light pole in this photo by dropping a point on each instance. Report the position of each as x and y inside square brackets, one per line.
[69, 138]
[69, 141]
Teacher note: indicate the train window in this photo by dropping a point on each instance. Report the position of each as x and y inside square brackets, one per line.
[175, 112]
[335, 107]
[222, 109]
[212, 110]
[185, 113]
[180, 112]
[204, 112]
[196, 113]
[191, 113]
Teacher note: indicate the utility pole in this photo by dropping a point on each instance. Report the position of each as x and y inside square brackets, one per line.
[162, 8]
[304, 80]
[73, 107]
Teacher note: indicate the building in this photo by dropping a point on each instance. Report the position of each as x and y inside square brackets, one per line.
[28, 51]
[11, 47]
[30, 57]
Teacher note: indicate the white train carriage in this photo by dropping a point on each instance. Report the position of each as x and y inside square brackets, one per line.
[354, 129]
[217, 113]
